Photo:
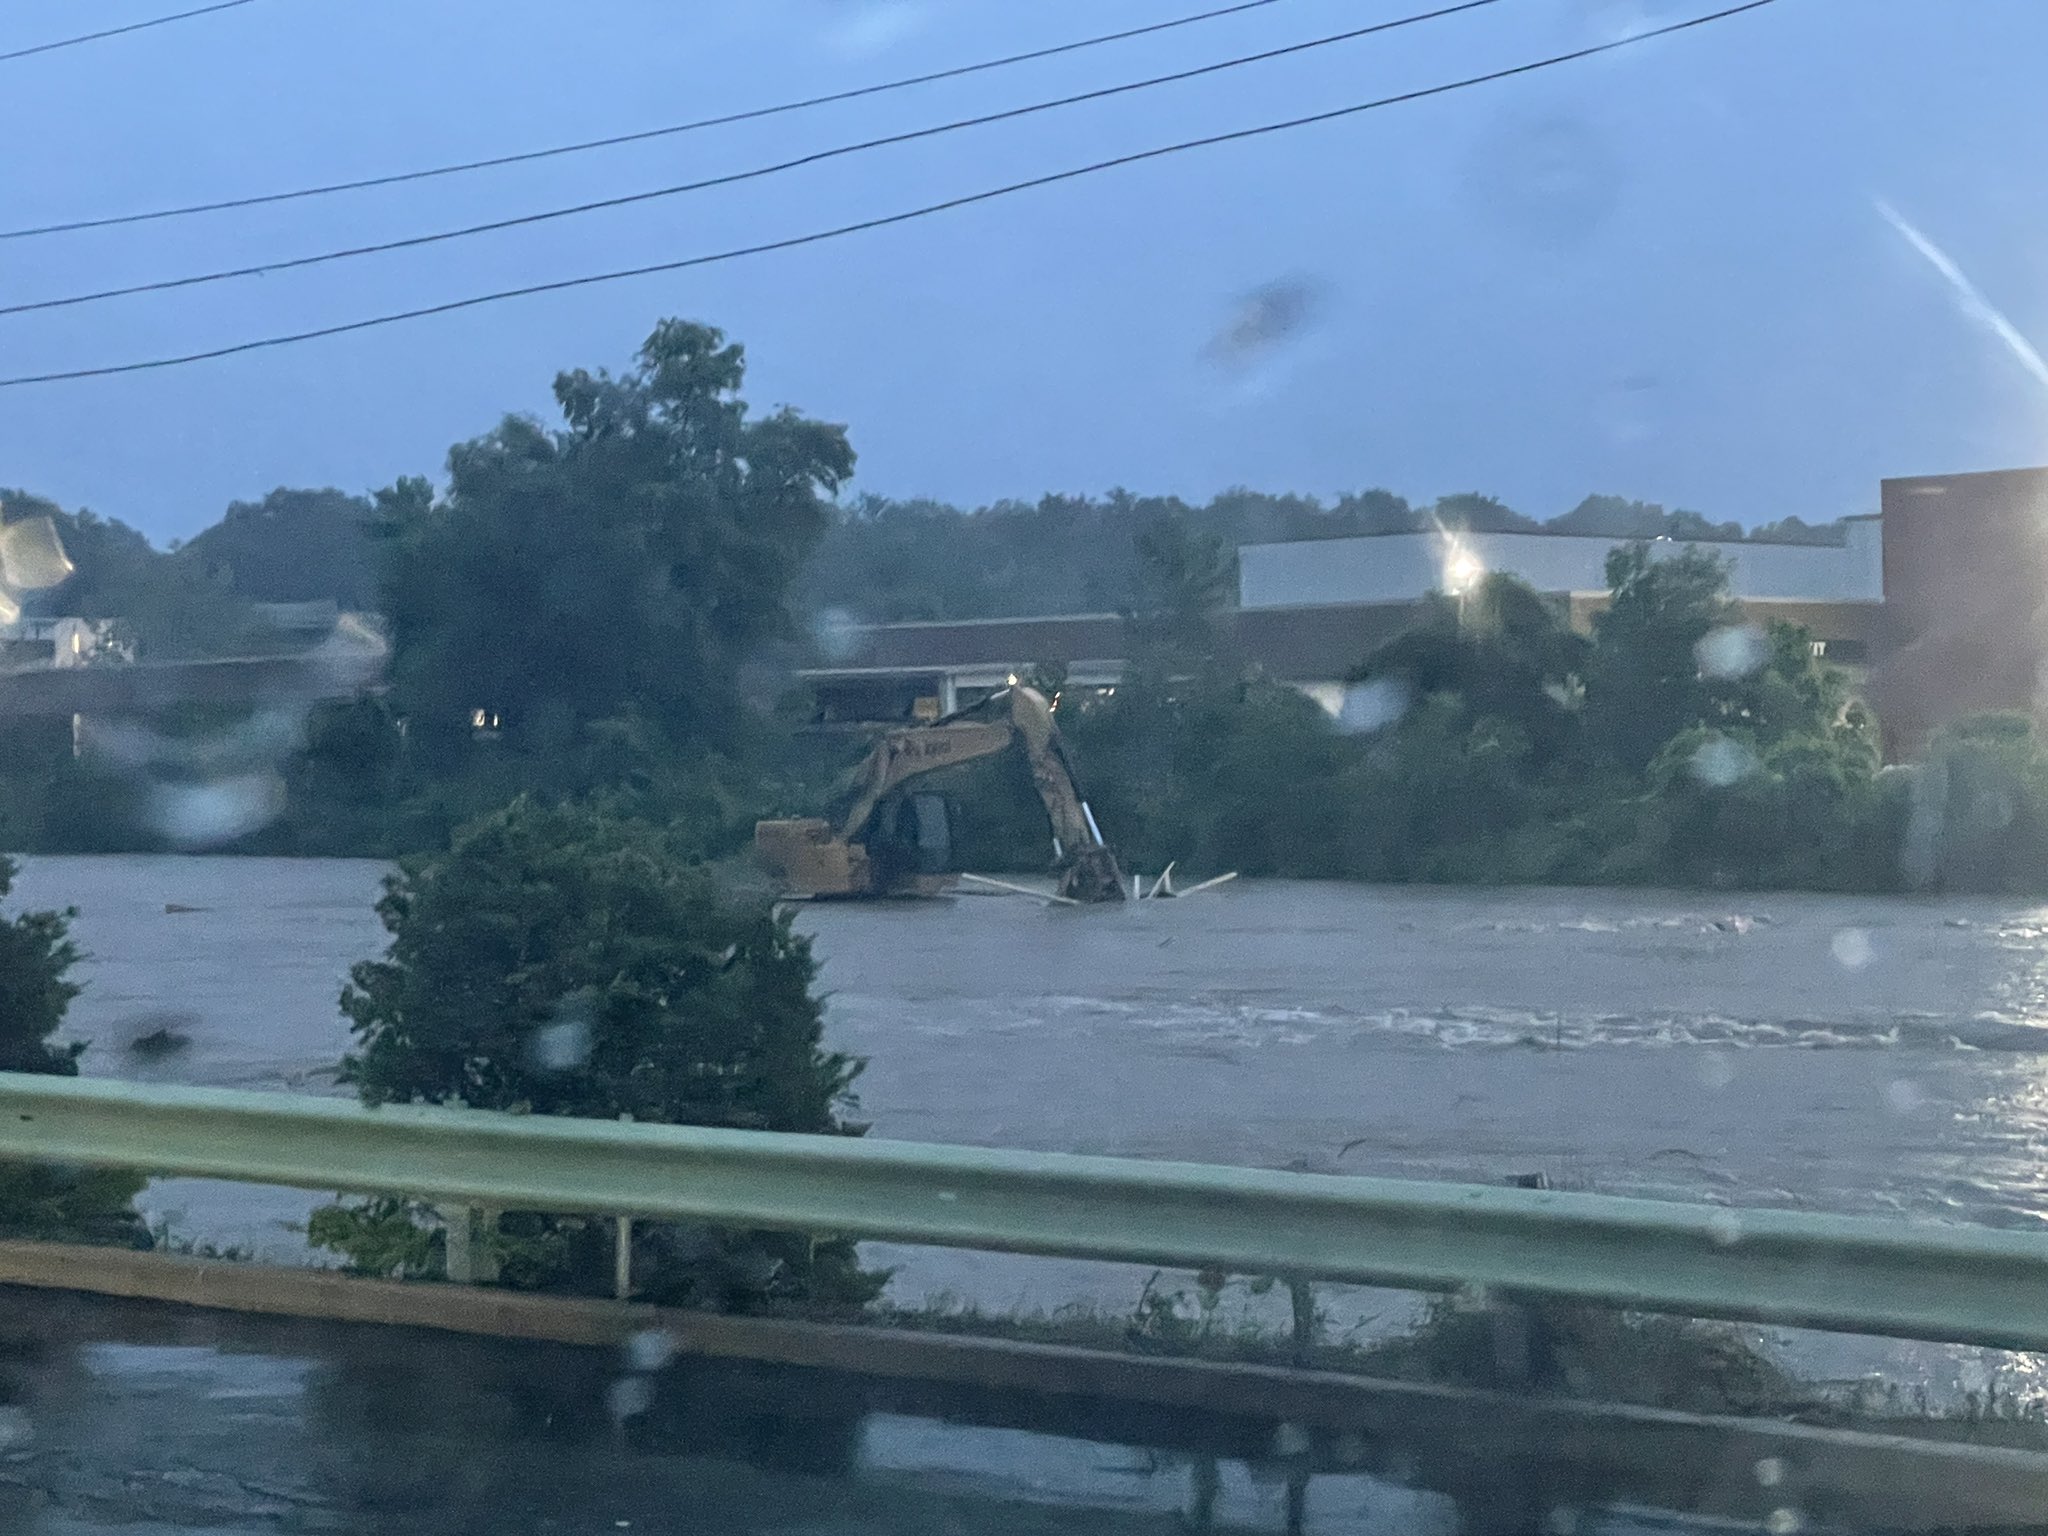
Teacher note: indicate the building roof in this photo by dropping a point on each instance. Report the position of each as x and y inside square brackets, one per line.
[1307, 643]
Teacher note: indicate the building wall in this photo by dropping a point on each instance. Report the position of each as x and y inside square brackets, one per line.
[1399, 567]
[1966, 598]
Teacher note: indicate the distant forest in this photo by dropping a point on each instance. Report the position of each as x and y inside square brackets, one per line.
[880, 560]
[884, 560]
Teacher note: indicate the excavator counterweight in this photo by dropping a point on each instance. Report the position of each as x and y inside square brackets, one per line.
[872, 848]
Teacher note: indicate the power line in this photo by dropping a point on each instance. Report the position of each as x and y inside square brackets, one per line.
[884, 221]
[641, 136]
[133, 26]
[320, 258]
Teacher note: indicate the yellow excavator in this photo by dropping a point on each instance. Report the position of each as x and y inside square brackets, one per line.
[894, 842]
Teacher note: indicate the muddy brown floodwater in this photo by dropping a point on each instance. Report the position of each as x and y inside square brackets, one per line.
[1878, 1055]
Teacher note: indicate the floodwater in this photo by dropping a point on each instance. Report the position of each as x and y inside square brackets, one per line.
[1871, 1055]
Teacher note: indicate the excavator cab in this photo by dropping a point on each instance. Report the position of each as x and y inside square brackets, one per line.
[893, 840]
[914, 837]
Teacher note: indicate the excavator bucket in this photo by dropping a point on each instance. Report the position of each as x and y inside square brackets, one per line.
[1093, 875]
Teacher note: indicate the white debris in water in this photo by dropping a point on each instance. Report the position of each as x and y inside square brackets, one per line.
[628, 1397]
[1904, 1095]
[1852, 949]
[1716, 1070]
[1372, 705]
[1733, 651]
[1722, 761]
[1770, 1471]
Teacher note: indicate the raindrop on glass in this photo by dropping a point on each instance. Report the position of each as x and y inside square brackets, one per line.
[1716, 1070]
[1722, 761]
[1784, 1522]
[1724, 1228]
[1852, 949]
[1904, 1095]
[1770, 1471]
[628, 1397]
[1372, 705]
[650, 1349]
[562, 1046]
[31, 555]
[192, 816]
[1733, 651]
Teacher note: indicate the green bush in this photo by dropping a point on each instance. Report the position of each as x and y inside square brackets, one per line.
[37, 1199]
[562, 961]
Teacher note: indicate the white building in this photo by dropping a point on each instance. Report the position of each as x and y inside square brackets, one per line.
[1401, 567]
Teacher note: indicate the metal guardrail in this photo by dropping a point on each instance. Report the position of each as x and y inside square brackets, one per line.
[1853, 1274]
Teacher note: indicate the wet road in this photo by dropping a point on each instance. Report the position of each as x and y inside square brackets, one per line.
[148, 1419]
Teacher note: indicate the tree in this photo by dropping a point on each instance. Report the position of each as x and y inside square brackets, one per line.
[37, 1199]
[1643, 683]
[292, 546]
[623, 566]
[565, 962]
[1506, 651]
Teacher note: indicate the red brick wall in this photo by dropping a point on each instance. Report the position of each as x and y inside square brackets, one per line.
[1966, 599]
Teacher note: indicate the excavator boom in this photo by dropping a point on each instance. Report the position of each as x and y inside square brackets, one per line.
[857, 855]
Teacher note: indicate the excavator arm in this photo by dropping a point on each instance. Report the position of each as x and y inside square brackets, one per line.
[817, 857]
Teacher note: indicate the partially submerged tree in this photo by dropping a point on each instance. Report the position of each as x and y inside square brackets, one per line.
[560, 961]
[623, 566]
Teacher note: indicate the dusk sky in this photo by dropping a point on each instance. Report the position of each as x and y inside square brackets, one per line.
[1666, 272]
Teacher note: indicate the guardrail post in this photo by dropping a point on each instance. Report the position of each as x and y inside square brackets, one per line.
[1302, 1297]
[460, 1238]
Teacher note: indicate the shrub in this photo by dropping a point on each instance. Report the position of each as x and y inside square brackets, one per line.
[38, 1199]
[562, 961]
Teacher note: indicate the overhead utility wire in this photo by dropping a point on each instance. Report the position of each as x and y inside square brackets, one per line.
[748, 115]
[133, 26]
[885, 220]
[516, 221]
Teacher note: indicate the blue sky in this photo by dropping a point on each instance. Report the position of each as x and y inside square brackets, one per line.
[1660, 273]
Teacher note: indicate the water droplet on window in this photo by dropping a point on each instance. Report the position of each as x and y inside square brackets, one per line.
[1770, 1471]
[1784, 1522]
[190, 816]
[1372, 705]
[628, 1397]
[1722, 761]
[1904, 1095]
[31, 554]
[1716, 1070]
[1724, 1229]
[561, 1047]
[650, 1349]
[1852, 949]
[1290, 1440]
[16, 1431]
[1732, 651]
